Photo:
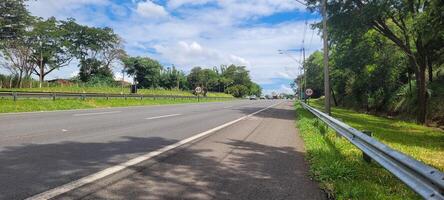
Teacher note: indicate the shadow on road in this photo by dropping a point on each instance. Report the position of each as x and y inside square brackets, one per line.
[32, 168]
[252, 171]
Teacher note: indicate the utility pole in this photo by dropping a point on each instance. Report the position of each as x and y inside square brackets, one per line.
[326, 70]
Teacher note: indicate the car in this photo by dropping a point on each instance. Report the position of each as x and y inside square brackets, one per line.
[253, 97]
[262, 97]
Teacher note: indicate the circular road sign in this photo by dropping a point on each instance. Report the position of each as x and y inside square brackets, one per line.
[198, 90]
[309, 92]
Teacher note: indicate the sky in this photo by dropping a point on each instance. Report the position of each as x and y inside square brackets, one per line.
[206, 33]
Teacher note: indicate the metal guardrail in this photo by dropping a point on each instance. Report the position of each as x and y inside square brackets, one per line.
[54, 95]
[421, 178]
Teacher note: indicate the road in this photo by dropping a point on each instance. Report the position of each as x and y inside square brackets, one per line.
[40, 151]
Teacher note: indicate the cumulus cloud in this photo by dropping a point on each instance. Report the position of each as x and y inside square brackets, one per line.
[205, 33]
[189, 54]
[149, 9]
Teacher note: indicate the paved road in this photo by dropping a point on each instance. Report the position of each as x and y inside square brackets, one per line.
[261, 157]
[40, 151]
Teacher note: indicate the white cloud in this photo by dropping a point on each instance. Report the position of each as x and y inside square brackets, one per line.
[64, 8]
[189, 54]
[149, 9]
[178, 3]
[188, 33]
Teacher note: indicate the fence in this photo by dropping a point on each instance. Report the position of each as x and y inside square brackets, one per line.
[56, 95]
[421, 178]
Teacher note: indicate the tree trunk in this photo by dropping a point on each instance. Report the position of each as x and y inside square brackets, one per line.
[430, 70]
[41, 78]
[19, 83]
[422, 95]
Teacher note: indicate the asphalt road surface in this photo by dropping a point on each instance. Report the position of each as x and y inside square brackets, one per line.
[257, 158]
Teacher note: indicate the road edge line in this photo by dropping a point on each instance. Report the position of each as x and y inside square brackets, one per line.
[57, 191]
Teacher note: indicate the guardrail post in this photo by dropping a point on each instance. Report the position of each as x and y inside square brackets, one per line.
[53, 96]
[107, 97]
[365, 156]
[14, 96]
[124, 96]
[141, 97]
[83, 96]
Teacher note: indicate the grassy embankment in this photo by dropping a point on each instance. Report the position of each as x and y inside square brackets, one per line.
[28, 105]
[111, 90]
[339, 167]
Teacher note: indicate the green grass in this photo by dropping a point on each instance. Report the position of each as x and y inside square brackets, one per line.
[112, 90]
[421, 142]
[339, 167]
[29, 105]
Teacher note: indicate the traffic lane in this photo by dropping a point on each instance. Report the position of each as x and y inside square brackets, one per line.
[44, 123]
[101, 130]
[69, 127]
[261, 157]
[32, 168]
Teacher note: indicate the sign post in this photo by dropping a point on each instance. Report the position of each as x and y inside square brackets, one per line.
[198, 90]
[308, 92]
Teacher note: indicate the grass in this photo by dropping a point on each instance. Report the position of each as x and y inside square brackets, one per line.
[30, 105]
[111, 90]
[339, 166]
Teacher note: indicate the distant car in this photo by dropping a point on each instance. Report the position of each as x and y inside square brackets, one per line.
[262, 97]
[253, 97]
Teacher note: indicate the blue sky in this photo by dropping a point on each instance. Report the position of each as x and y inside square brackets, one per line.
[205, 33]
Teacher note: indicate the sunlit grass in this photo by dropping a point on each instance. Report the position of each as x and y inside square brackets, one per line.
[339, 166]
[421, 142]
[113, 90]
[29, 105]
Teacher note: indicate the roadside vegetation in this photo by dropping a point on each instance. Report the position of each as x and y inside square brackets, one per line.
[385, 57]
[112, 90]
[339, 166]
[31, 105]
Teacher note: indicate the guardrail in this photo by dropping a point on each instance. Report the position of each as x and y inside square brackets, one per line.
[55, 95]
[421, 178]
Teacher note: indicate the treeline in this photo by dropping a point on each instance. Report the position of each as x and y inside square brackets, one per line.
[33, 46]
[149, 73]
[385, 56]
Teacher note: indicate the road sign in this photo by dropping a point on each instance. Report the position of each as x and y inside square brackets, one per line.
[309, 92]
[198, 90]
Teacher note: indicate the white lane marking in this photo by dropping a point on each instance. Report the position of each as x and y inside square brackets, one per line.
[163, 116]
[227, 107]
[97, 113]
[64, 130]
[117, 168]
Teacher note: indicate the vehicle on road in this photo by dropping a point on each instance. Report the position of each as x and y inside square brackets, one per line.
[253, 97]
[262, 97]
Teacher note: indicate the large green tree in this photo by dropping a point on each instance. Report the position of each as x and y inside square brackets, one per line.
[14, 19]
[146, 71]
[50, 47]
[95, 48]
[409, 24]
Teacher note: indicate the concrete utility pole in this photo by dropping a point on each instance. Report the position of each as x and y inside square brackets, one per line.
[326, 70]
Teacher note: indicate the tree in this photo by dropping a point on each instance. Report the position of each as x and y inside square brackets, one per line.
[95, 48]
[146, 71]
[314, 71]
[14, 19]
[255, 89]
[195, 77]
[18, 55]
[173, 78]
[402, 22]
[238, 90]
[50, 51]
